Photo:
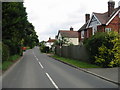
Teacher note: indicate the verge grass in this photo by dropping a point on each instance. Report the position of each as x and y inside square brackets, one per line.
[9, 62]
[77, 63]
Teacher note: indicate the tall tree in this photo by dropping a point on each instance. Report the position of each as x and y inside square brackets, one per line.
[16, 30]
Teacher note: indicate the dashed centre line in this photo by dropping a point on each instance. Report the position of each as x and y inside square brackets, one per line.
[46, 73]
[41, 65]
[52, 81]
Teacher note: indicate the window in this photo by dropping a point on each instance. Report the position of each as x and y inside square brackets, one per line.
[82, 34]
[107, 29]
[94, 29]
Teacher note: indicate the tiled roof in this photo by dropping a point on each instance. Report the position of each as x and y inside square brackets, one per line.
[83, 27]
[68, 34]
[51, 40]
[103, 17]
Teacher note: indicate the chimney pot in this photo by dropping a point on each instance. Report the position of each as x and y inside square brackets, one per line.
[87, 17]
[111, 5]
[71, 29]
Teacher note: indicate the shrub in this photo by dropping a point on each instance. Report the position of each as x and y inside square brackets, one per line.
[5, 52]
[104, 49]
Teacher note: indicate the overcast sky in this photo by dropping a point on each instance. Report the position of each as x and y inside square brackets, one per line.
[49, 16]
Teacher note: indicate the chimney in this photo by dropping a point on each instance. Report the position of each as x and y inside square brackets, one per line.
[71, 29]
[87, 17]
[111, 5]
[49, 38]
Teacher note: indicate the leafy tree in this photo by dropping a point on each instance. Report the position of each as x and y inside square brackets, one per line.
[109, 56]
[61, 42]
[104, 49]
[16, 30]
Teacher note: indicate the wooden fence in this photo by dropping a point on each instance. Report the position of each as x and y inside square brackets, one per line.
[73, 52]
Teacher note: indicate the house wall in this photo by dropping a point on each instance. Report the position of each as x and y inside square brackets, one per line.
[114, 24]
[89, 32]
[74, 41]
[49, 44]
[79, 36]
[101, 28]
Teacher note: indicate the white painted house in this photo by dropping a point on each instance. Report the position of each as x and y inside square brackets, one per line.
[70, 35]
[50, 42]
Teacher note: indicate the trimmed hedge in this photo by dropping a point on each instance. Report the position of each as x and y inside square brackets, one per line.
[104, 49]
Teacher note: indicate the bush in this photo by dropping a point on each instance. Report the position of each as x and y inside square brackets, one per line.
[104, 49]
[44, 49]
[5, 52]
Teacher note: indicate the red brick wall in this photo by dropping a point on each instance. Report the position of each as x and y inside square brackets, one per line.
[114, 24]
[101, 28]
[89, 32]
[79, 35]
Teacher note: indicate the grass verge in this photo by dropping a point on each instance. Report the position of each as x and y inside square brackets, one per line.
[77, 63]
[9, 62]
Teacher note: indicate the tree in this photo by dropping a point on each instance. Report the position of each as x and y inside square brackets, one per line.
[16, 30]
[104, 49]
[61, 42]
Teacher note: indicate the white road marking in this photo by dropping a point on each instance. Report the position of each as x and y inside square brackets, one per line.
[41, 65]
[52, 81]
[37, 59]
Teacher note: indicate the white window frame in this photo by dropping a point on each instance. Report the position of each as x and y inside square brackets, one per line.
[83, 34]
[107, 29]
[94, 30]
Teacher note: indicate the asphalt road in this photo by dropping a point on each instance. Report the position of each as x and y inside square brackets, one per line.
[37, 70]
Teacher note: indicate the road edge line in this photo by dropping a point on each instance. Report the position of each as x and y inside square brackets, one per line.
[118, 83]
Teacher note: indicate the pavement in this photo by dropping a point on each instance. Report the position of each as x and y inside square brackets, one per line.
[37, 70]
[109, 74]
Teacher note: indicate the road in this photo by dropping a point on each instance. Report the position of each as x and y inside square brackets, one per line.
[37, 70]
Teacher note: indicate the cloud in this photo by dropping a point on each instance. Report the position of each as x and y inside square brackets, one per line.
[49, 16]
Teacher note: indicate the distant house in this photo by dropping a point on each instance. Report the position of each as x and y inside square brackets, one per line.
[50, 42]
[70, 35]
[101, 22]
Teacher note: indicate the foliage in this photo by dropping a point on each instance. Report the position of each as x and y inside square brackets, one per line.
[62, 41]
[14, 57]
[43, 47]
[77, 63]
[9, 62]
[104, 49]
[5, 52]
[16, 30]
[6, 65]
[0, 51]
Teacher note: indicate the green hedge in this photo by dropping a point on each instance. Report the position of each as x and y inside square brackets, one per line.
[104, 49]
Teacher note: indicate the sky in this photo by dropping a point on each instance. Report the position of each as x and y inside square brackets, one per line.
[50, 16]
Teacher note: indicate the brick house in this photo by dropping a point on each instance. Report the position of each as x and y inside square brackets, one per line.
[70, 35]
[101, 22]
